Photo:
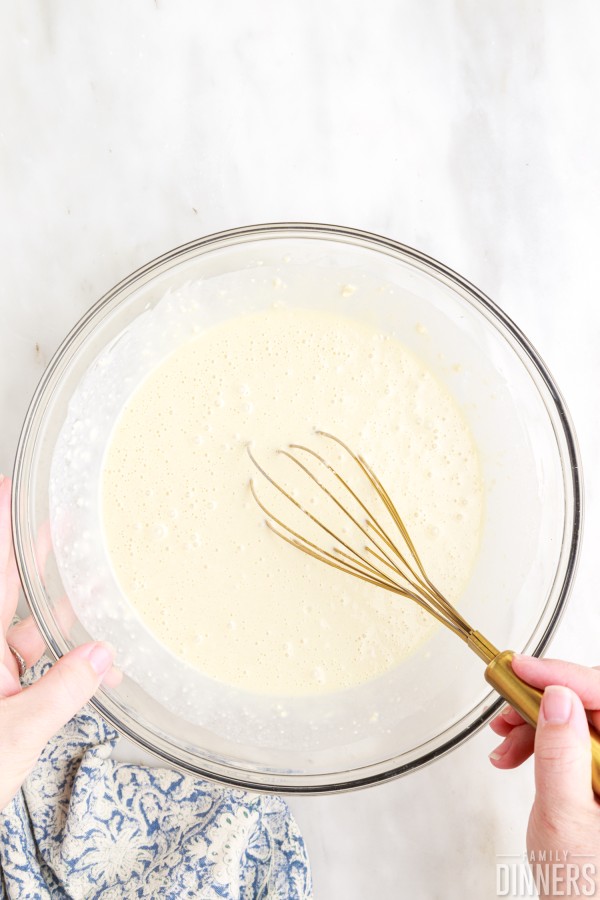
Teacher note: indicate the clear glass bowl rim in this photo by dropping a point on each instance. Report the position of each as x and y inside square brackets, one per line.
[227, 774]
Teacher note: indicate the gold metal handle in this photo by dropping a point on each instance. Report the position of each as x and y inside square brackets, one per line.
[526, 700]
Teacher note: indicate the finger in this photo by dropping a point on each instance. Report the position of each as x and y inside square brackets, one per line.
[113, 677]
[64, 614]
[540, 673]
[27, 640]
[515, 748]
[9, 681]
[594, 718]
[500, 726]
[8, 662]
[506, 720]
[60, 693]
[562, 757]
[9, 576]
[511, 716]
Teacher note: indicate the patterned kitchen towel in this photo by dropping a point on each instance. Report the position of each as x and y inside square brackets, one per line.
[84, 826]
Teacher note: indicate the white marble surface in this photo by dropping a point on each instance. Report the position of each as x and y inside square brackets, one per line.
[467, 129]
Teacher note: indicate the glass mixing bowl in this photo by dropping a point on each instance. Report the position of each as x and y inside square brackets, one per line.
[530, 467]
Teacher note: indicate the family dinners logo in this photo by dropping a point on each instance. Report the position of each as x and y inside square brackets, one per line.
[555, 873]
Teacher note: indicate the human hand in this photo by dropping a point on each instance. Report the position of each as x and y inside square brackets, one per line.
[29, 717]
[563, 834]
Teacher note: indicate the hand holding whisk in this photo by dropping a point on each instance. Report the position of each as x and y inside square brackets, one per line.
[387, 558]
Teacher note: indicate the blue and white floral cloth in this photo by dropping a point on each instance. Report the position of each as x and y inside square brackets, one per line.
[85, 826]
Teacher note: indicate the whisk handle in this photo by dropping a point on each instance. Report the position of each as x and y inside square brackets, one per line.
[526, 700]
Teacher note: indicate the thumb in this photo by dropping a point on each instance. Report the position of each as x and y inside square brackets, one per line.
[49, 703]
[563, 760]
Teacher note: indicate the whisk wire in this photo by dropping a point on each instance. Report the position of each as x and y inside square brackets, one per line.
[344, 483]
[300, 541]
[371, 519]
[378, 578]
[423, 583]
[382, 493]
[409, 580]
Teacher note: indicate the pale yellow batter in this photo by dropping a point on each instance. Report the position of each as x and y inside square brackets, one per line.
[188, 544]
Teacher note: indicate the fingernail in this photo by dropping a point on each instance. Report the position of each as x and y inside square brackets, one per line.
[556, 706]
[101, 658]
[498, 753]
[521, 657]
[506, 710]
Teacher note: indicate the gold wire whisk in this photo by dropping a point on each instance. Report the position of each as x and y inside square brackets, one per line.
[388, 559]
[398, 572]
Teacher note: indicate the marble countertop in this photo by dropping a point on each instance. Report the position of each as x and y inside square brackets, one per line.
[466, 129]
